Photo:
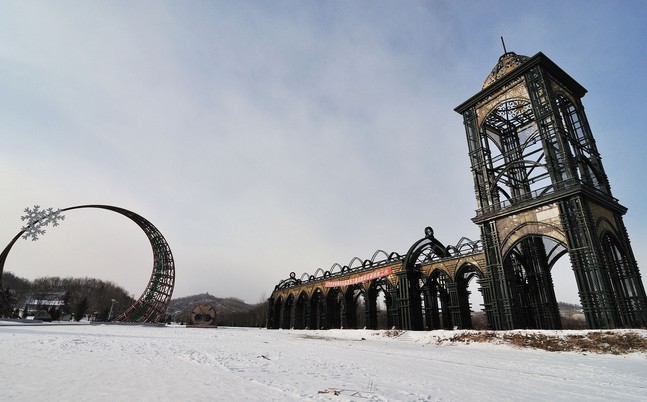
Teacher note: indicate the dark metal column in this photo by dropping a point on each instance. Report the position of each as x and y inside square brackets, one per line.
[454, 306]
[500, 306]
[392, 308]
[592, 280]
[370, 309]
[409, 308]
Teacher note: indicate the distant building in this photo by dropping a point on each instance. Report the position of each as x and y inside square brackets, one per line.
[47, 302]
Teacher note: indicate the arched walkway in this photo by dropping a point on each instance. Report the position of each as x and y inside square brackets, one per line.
[437, 302]
[393, 293]
[527, 268]
[466, 274]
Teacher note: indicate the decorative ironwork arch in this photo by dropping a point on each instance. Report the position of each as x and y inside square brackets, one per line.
[402, 283]
[153, 303]
[378, 252]
[468, 268]
[353, 261]
[555, 247]
[340, 269]
[289, 282]
[527, 265]
[425, 249]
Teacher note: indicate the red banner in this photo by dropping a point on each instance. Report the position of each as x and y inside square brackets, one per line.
[363, 278]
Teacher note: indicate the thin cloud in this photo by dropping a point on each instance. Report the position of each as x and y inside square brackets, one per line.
[265, 139]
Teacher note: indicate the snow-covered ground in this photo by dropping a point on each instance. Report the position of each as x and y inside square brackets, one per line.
[141, 363]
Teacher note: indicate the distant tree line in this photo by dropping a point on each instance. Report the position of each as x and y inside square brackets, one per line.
[255, 317]
[65, 296]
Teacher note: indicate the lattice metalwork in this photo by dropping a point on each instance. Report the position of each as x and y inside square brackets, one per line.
[537, 175]
[293, 306]
[337, 271]
[541, 192]
[153, 303]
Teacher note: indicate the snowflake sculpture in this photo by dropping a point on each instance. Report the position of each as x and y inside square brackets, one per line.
[37, 219]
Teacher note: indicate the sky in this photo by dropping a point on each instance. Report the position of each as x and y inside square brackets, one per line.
[263, 138]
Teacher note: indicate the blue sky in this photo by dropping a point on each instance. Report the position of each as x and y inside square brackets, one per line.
[268, 137]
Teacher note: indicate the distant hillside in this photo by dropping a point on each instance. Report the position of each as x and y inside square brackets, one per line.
[568, 307]
[572, 316]
[222, 306]
[230, 311]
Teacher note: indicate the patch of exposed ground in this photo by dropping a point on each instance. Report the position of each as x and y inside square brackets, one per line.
[319, 337]
[603, 342]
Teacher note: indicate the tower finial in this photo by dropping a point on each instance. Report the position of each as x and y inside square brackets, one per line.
[503, 43]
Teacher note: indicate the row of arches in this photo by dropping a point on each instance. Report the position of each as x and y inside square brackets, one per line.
[437, 287]
[354, 307]
[442, 302]
[520, 294]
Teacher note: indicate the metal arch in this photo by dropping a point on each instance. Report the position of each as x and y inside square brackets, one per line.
[153, 303]
[339, 269]
[379, 252]
[467, 242]
[453, 251]
[468, 268]
[464, 246]
[382, 284]
[4, 303]
[303, 297]
[427, 249]
[352, 261]
[440, 274]
[336, 270]
[289, 282]
[427, 243]
[304, 276]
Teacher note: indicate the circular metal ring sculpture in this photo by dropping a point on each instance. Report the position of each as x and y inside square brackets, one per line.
[203, 315]
[153, 303]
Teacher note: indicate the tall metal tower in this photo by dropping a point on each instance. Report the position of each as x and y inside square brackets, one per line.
[542, 192]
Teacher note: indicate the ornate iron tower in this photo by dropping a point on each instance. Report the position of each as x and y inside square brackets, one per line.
[542, 192]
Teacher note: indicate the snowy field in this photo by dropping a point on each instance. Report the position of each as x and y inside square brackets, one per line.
[140, 363]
